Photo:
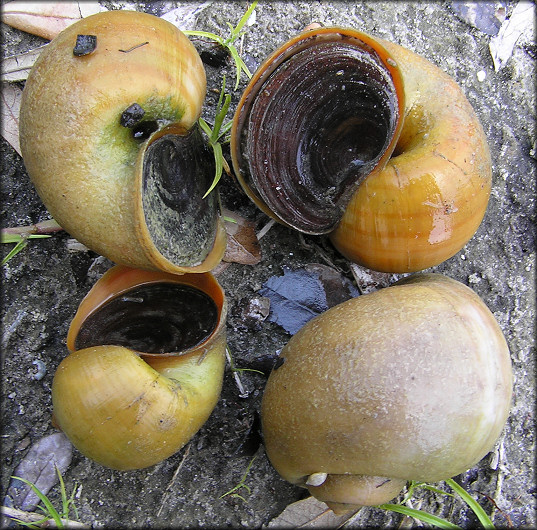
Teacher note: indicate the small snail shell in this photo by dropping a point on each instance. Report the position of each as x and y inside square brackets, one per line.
[147, 366]
[411, 382]
[109, 138]
[342, 133]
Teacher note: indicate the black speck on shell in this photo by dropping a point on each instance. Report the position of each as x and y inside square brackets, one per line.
[85, 44]
[132, 115]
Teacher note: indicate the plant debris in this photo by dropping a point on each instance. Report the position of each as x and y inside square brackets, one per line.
[39, 467]
[299, 295]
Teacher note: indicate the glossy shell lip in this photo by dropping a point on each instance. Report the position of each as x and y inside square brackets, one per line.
[120, 281]
[328, 202]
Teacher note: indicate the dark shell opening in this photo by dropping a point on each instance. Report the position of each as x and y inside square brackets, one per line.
[153, 318]
[178, 170]
[315, 128]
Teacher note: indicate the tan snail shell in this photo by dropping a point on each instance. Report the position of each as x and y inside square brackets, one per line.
[411, 382]
[109, 137]
[345, 134]
[147, 366]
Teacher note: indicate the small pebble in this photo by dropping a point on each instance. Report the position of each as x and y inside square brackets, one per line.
[85, 44]
[132, 115]
[481, 75]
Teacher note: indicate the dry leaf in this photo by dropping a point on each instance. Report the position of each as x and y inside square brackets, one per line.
[47, 19]
[369, 281]
[17, 67]
[242, 243]
[520, 22]
[301, 294]
[485, 16]
[309, 513]
[184, 16]
[11, 104]
[39, 467]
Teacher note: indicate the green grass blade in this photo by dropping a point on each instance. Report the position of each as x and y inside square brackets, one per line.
[206, 34]
[15, 238]
[205, 127]
[244, 19]
[437, 490]
[50, 510]
[243, 67]
[10, 238]
[474, 505]
[217, 149]
[65, 500]
[15, 250]
[225, 128]
[418, 514]
[239, 65]
[235, 54]
[219, 118]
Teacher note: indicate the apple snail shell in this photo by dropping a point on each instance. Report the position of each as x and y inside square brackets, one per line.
[108, 130]
[344, 134]
[411, 382]
[147, 366]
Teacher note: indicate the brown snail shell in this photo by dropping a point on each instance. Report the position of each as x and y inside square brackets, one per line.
[342, 133]
[146, 368]
[411, 382]
[108, 130]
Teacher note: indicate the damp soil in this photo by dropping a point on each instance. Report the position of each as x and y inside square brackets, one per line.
[43, 285]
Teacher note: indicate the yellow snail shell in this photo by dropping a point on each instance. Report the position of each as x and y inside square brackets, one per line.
[110, 140]
[345, 134]
[147, 366]
[411, 382]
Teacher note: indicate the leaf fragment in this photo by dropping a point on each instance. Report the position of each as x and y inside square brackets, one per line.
[47, 19]
[519, 23]
[38, 467]
[242, 243]
[11, 105]
[17, 67]
[309, 513]
[301, 294]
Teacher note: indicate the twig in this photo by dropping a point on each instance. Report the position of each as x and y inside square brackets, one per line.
[265, 229]
[44, 227]
[242, 392]
[134, 47]
[505, 515]
[33, 518]
[172, 481]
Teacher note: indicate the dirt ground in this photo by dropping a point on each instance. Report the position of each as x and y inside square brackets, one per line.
[43, 285]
